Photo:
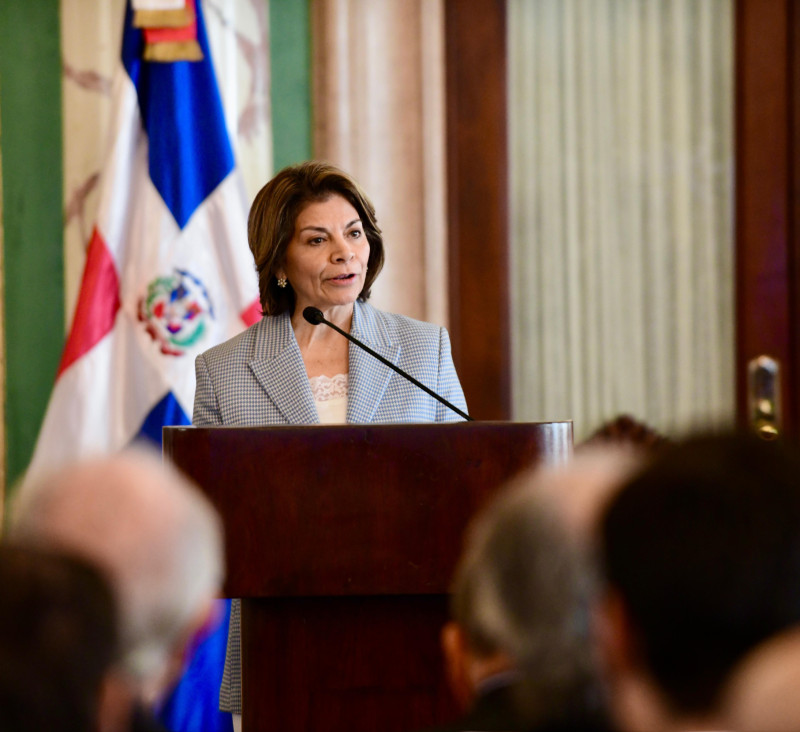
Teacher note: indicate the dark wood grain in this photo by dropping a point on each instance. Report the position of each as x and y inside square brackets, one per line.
[764, 253]
[793, 154]
[356, 509]
[348, 663]
[477, 196]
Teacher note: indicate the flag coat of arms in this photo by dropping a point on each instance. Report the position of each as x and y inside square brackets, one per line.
[168, 273]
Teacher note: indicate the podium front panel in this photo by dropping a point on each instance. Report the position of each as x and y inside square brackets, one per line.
[353, 509]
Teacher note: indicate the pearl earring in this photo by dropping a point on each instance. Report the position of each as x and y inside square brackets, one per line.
[281, 282]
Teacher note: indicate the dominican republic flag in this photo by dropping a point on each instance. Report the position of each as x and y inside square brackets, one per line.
[168, 272]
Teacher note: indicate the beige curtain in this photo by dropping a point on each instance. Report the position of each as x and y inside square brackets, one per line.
[621, 165]
[238, 33]
[378, 85]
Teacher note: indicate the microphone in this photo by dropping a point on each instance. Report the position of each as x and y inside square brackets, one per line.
[315, 317]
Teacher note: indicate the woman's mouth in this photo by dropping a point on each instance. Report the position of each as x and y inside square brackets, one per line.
[344, 278]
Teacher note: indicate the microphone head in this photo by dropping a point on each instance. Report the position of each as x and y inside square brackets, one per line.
[313, 315]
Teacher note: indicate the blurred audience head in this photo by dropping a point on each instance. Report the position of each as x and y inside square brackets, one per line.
[58, 636]
[626, 430]
[154, 534]
[702, 558]
[522, 590]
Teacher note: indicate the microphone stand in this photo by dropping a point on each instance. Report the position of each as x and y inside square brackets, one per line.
[315, 317]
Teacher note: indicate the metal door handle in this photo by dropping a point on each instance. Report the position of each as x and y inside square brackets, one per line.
[764, 397]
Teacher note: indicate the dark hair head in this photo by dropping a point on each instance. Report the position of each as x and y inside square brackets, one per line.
[626, 430]
[271, 225]
[58, 639]
[704, 549]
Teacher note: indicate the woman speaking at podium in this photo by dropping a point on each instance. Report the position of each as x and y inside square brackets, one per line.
[316, 244]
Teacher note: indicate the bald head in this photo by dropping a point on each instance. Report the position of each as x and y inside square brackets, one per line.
[148, 527]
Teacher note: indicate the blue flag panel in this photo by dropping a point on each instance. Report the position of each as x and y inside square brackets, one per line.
[190, 153]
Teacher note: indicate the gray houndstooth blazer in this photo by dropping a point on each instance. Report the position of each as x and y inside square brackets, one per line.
[259, 377]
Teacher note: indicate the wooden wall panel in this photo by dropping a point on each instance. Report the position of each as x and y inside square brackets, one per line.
[477, 190]
[793, 154]
[764, 257]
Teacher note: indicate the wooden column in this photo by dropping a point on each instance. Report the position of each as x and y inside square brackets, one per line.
[477, 192]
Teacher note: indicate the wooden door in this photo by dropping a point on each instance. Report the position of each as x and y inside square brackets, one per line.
[767, 208]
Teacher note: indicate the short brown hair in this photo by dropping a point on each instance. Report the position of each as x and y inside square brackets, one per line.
[271, 223]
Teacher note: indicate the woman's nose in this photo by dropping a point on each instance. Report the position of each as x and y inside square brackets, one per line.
[342, 252]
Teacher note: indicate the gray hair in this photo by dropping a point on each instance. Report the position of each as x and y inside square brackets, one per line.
[526, 577]
[519, 586]
[156, 536]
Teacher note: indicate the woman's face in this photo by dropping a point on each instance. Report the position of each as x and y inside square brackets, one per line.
[326, 260]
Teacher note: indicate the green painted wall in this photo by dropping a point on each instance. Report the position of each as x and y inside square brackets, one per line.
[30, 105]
[290, 61]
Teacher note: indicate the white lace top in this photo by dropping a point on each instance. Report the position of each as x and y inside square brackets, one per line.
[330, 396]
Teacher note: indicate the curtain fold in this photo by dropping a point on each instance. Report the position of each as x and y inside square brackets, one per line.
[378, 78]
[621, 167]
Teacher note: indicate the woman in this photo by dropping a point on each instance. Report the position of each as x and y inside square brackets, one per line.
[316, 242]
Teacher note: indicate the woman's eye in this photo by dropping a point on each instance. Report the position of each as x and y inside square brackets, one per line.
[316, 240]
[356, 233]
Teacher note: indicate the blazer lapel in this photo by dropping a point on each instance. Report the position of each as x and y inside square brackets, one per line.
[368, 377]
[278, 367]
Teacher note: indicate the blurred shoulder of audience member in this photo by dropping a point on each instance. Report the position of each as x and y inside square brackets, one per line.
[58, 640]
[702, 562]
[762, 693]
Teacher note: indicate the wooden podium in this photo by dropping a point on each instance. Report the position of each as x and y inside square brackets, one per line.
[342, 540]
